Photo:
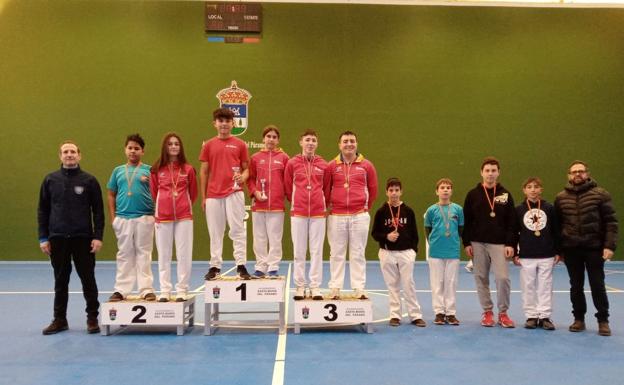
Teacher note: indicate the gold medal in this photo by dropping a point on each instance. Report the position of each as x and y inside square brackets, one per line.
[492, 214]
[448, 234]
[129, 193]
[175, 193]
[346, 185]
[309, 187]
[537, 233]
[130, 177]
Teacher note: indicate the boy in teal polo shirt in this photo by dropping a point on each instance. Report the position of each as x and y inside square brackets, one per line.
[444, 223]
[132, 211]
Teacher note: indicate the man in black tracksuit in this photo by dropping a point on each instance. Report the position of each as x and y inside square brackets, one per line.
[71, 225]
[589, 231]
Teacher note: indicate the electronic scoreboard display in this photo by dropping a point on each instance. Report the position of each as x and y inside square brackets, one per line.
[234, 17]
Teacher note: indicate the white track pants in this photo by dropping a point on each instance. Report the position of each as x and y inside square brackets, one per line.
[397, 268]
[443, 278]
[308, 231]
[536, 282]
[268, 229]
[347, 231]
[182, 233]
[230, 209]
[135, 238]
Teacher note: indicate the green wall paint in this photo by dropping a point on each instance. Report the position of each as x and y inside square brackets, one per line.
[429, 90]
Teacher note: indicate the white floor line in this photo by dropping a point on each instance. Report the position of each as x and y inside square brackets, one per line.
[280, 354]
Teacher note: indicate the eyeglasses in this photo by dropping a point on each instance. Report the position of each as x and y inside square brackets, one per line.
[578, 172]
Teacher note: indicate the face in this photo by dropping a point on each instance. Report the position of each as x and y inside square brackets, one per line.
[578, 174]
[173, 146]
[348, 145]
[69, 154]
[444, 191]
[134, 152]
[224, 126]
[394, 193]
[532, 191]
[270, 140]
[308, 144]
[490, 174]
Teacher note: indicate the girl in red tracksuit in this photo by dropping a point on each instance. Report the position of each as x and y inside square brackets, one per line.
[266, 187]
[174, 189]
[303, 182]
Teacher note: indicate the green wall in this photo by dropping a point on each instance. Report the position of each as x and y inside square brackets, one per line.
[429, 90]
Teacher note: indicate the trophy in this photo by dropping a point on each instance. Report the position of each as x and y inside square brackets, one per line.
[236, 170]
[262, 193]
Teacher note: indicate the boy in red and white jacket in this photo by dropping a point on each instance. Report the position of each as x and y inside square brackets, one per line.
[303, 182]
[266, 188]
[350, 189]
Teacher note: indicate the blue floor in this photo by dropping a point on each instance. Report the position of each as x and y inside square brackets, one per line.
[468, 354]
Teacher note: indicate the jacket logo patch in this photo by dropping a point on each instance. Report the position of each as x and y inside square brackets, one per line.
[78, 189]
[502, 199]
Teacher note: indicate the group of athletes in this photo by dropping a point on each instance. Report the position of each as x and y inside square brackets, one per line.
[333, 198]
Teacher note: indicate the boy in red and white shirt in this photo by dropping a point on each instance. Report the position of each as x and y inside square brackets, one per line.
[266, 188]
[350, 189]
[303, 182]
[224, 160]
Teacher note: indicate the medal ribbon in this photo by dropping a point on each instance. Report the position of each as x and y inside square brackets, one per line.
[395, 220]
[174, 183]
[130, 178]
[446, 219]
[490, 202]
[539, 209]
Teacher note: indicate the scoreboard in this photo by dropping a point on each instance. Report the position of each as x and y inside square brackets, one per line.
[234, 17]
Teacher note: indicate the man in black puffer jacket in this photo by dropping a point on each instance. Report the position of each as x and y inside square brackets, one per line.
[589, 230]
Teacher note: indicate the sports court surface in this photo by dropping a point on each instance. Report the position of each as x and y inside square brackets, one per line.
[466, 354]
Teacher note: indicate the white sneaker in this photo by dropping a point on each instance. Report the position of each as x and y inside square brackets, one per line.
[299, 293]
[316, 294]
[469, 266]
[335, 293]
[360, 294]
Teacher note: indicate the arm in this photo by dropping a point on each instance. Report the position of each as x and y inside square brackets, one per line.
[371, 179]
[327, 182]
[413, 230]
[253, 175]
[43, 218]
[111, 197]
[288, 181]
[379, 232]
[203, 182]
[609, 223]
[97, 208]
[192, 184]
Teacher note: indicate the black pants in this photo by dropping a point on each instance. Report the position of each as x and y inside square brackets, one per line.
[63, 250]
[577, 261]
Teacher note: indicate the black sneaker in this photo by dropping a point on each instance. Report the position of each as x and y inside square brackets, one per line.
[57, 325]
[546, 324]
[213, 273]
[452, 320]
[531, 323]
[115, 297]
[440, 319]
[419, 322]
[242, 273]
[92, 326]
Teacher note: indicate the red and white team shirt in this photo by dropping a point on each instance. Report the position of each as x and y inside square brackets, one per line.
[222, 156]
[350, 188]
[303, 182]
[174, 189]
[266, 173]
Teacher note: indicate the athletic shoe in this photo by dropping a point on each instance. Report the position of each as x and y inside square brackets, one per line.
[531, 323]
[487, 319]
[419, 322]
[180, 297]
[469, 266]
[547, 324]
[394, 322]
[213, 273]
[57, 325]
[92, 326]
[115, 297]
[259, 274]
[604, 329]
[273, 274]
[577, 326]
[149, 297]
[452, 320]
[299, 293]
[439, 319]
[505, 321]
[316, 294]
[163, 298]
[241, 272]
[360, 294]
[334, 294]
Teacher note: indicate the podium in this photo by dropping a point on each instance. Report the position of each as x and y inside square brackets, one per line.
[342, 312]
[138, 312]
[233, 290]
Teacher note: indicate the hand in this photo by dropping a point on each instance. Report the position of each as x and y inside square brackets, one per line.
[469, 251]
[238, 178]
[96, 245]
[509, 251]
[45, 247]
[557, 259]
[259, 197]
[516, 261]
[393, 236]
[203, 204]
[607, 254]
